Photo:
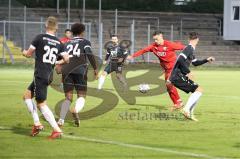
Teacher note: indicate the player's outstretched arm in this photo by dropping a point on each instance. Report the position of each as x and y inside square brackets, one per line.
[28, 53]
[59, 62]
[93, 62]
[129, 57]
[107, 56]
[104, 62]
[141, 52]
[197, 62]
[211, 59]
[91, 58]
[35, 43]
[64, 59]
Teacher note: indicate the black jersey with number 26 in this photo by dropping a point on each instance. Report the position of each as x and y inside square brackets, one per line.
[47, 49]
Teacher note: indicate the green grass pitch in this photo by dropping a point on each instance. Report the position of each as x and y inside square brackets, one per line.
[108, 136]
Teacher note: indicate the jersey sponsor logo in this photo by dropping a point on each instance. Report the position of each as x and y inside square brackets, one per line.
[51, 43]
[76, 40]
[161, 54]
[51, 40]
[165, 48]
[114, 53]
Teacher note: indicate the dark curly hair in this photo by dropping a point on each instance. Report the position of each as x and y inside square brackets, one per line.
[77, 29]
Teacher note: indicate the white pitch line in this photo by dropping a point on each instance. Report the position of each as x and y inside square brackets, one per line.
[5, 128]
[15, 82]
[156, 149]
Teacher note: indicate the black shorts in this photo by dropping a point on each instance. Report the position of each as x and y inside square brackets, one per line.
[77, 81]
[183, 83]
[112, 66]
[38, 88]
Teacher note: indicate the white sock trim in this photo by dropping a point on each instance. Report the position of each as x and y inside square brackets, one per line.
[48, 115]
[60, 121]
[192, 100]
[101, 81]
[64, 108]
[79, 104]
[29, 104]
[32, 108]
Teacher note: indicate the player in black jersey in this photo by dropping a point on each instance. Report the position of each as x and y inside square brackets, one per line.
[116, 56]
[181, 76]
[74, 74]
[47, 49]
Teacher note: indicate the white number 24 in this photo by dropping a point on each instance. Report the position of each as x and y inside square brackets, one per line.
[76, 51]
[50, 55]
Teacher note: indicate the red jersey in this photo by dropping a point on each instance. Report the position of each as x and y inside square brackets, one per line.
[165, 53]
[65, 40]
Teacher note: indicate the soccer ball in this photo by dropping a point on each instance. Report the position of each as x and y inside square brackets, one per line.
[143, 88]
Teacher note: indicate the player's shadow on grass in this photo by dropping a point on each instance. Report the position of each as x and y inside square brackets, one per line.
[21, 131]
[153, 105]
[109, 102]
[237, 145]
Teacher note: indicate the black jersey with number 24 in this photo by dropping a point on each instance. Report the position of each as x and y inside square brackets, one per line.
[79, 49]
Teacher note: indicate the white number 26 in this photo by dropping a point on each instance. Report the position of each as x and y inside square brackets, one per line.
[50, 55]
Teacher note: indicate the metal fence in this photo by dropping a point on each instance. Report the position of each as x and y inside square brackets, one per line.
[21, 33]
[19, 25]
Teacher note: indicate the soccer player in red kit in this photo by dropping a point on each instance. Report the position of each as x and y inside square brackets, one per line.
[165, 51]
[67, 37]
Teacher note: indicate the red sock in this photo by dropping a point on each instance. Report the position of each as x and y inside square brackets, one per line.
[173, 93]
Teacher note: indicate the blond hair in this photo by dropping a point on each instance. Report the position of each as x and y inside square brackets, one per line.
[51, 23]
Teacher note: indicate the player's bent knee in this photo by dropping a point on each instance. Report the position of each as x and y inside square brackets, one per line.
[69, 98]
[169, 86]
[118, 77]
[199, 89]
[27, 95]
[40, 103]
[24, 96]
[168, 82]
[104, 74]
[82, 94]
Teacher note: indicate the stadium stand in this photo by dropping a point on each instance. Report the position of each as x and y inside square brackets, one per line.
[207, 25]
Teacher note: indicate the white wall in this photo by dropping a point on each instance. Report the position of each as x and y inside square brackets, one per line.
[231, 28]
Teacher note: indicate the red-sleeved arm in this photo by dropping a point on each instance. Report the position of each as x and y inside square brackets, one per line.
[176, 45]
[144, 50]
